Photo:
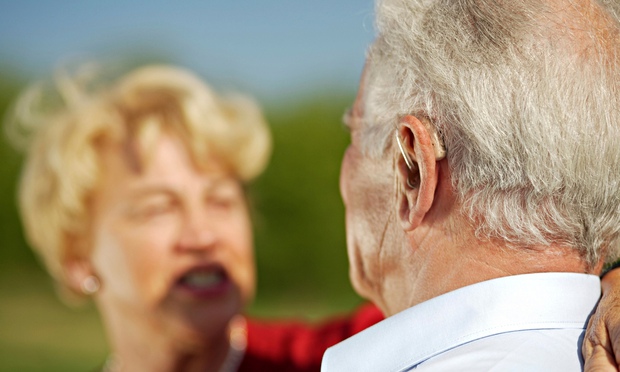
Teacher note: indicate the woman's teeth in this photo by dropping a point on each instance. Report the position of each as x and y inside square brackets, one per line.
[202, 279]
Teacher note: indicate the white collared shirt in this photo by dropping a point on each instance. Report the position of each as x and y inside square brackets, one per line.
[530, 322]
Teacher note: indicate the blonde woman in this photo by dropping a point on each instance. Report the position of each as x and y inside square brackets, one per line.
[132, 193]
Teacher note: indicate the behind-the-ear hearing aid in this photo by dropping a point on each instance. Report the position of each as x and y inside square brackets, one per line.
[438, 147]
[407, 159]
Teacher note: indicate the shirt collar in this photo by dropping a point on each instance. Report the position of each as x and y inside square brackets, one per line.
[519, 302]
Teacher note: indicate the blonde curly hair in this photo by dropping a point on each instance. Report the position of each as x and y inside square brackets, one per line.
[66, 125]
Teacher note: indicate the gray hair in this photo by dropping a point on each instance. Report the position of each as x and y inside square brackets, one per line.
[527, 103]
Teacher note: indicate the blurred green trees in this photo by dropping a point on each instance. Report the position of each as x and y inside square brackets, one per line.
[300, 224]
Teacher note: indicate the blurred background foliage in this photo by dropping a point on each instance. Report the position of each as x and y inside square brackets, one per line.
[299, 235]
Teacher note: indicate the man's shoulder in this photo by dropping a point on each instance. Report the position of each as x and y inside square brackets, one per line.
[473, 315]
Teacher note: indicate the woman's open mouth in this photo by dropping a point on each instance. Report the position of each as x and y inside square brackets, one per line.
[205, 281]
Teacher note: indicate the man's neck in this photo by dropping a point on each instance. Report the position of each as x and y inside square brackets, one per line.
[447, 266]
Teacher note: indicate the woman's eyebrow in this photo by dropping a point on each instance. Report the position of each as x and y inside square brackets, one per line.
[145, 191]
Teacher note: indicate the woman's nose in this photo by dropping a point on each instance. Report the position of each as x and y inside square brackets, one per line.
[197, 233]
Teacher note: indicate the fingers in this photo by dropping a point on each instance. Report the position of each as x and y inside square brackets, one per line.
[611, 304]
[600, 360]
[597, 348]
[601, 347]
[613, 329]
[590, 339]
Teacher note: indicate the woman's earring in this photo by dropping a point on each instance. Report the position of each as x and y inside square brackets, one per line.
[90, 285]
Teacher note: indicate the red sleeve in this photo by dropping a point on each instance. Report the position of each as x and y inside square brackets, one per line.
[298, 347]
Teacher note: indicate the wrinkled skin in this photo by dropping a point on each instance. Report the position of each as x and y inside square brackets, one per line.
[601, 347]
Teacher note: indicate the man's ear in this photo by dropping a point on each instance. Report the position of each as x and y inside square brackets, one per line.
[418, 184]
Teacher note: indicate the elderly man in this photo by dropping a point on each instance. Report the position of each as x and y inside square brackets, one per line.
[482, 183]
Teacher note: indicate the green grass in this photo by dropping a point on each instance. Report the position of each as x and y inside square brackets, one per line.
[39, 333]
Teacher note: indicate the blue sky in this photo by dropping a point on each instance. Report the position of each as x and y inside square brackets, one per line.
[271, 48]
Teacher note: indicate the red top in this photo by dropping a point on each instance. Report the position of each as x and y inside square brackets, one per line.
[298, 347]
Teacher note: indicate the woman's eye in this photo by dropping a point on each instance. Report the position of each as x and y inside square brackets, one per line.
[224, 198]
[221, 201]
[153, 210]
[158, 209]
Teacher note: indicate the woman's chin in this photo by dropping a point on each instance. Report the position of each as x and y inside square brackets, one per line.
[202, 312]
